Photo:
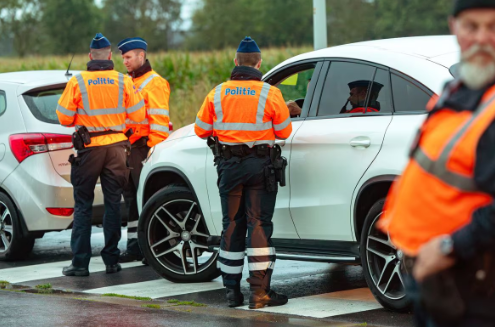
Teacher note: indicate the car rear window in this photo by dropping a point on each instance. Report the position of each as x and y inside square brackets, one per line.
[43, 104]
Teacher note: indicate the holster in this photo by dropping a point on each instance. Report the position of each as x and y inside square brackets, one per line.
[279, 164]
[270, 179]
[80, 138]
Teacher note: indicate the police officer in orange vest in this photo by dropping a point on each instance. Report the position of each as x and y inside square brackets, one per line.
[441, 212]
[146, 134]
[241, 119]
[98, 102]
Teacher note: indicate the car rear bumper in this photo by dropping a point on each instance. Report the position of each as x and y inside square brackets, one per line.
[34, 186]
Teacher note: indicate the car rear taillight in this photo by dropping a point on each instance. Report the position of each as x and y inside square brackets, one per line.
[26, 145]
[61, 211]
[170, 126]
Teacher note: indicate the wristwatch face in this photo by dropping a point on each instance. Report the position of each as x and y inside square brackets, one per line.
[447, 246]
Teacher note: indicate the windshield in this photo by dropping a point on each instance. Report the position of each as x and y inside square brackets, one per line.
[44, 103]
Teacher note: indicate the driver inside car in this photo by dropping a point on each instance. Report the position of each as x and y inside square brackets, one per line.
[357, 97]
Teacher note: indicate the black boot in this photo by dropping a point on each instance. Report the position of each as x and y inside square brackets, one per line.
[111, 269]
[75, 271]
[260, 299]
[234, 298]
[129, 257]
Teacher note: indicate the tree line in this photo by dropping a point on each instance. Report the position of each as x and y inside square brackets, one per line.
[30, 27]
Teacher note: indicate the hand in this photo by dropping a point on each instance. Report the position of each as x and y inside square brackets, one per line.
[294, 109]
[431, 260]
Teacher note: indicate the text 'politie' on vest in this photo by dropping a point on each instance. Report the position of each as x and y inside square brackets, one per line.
[240, 91]
[101, 80]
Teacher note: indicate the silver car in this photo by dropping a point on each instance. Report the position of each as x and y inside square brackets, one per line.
[35, 189]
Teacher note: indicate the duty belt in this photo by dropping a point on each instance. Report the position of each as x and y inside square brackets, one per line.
[228, 151]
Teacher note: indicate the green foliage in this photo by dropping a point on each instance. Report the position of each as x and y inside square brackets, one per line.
[44, 288]
[223, 23]
[70, 25]
[140, 298]
[150, 19]
[3, 284]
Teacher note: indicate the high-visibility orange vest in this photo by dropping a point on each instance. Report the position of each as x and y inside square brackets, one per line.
[101, 101]
[244, 112]
[436, 194]
[156, 93]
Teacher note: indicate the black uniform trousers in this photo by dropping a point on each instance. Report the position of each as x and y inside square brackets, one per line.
[139, 152]
[246, 207]
[446, 291]
[109, 164]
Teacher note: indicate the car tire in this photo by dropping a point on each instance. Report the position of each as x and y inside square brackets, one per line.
[382, 265]
[13, 246]
[173, 235]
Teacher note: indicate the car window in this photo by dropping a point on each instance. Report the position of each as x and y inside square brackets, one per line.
[407, 96]
[294, 89]
[346, 89]
[3, 102]
[43, 104]
[381, 94]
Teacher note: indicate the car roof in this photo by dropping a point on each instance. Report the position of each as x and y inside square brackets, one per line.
[424, 58]
[25, 77]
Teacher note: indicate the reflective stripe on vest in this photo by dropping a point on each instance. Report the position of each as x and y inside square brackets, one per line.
[203, 125]
[160, 128]
[146, 81]
[87, 111]
[159, 112]
[129, 122]
[260, 112]
[66, 111]
[439, 169]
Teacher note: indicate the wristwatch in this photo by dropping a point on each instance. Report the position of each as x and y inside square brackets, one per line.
[447, 246]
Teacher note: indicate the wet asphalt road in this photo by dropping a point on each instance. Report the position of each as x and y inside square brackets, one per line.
[293, 278]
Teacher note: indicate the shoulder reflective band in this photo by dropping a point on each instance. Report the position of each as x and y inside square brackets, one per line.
[438, 168]
[159, 112]
[65, 111]
[146, 81]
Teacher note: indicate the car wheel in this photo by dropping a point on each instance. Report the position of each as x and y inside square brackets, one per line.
[382, 263]
[173, 237]
[12, 245]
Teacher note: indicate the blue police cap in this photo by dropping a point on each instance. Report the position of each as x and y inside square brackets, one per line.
[248, 45]
[99, 42]
[132, 43]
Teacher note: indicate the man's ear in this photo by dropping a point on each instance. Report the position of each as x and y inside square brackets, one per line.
[110, 56]
[90, 57]
[258, 65]
[236, 62]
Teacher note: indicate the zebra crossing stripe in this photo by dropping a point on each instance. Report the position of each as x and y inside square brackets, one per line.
[327, 305]
[51, 270]
[158, 288]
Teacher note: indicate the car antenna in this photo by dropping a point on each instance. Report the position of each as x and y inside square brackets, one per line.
[70, 63]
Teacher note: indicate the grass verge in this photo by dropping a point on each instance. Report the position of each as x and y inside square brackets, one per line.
[140, 298]
[190, 303]
[151, 306]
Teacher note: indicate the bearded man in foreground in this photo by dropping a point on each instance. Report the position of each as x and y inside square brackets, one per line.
[441, 212]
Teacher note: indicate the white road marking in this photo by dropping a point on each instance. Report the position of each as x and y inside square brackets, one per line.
[158, 288]
[327, 305]
[52, 270]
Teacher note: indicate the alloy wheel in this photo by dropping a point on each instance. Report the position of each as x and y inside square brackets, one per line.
[177, 237]
[6, 228]
[384, 263]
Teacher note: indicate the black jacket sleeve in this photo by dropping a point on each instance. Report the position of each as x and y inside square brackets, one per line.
[479, 235]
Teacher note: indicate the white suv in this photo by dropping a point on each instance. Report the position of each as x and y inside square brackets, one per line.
[35, 189]
[341, 165]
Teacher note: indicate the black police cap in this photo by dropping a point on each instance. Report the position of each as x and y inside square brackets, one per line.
[364, 83]
[461, 5]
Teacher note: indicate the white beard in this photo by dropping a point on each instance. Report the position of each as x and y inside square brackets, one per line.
[475, 75]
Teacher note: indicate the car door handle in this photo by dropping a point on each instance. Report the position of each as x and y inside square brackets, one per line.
[280, 142]
[361, 141]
